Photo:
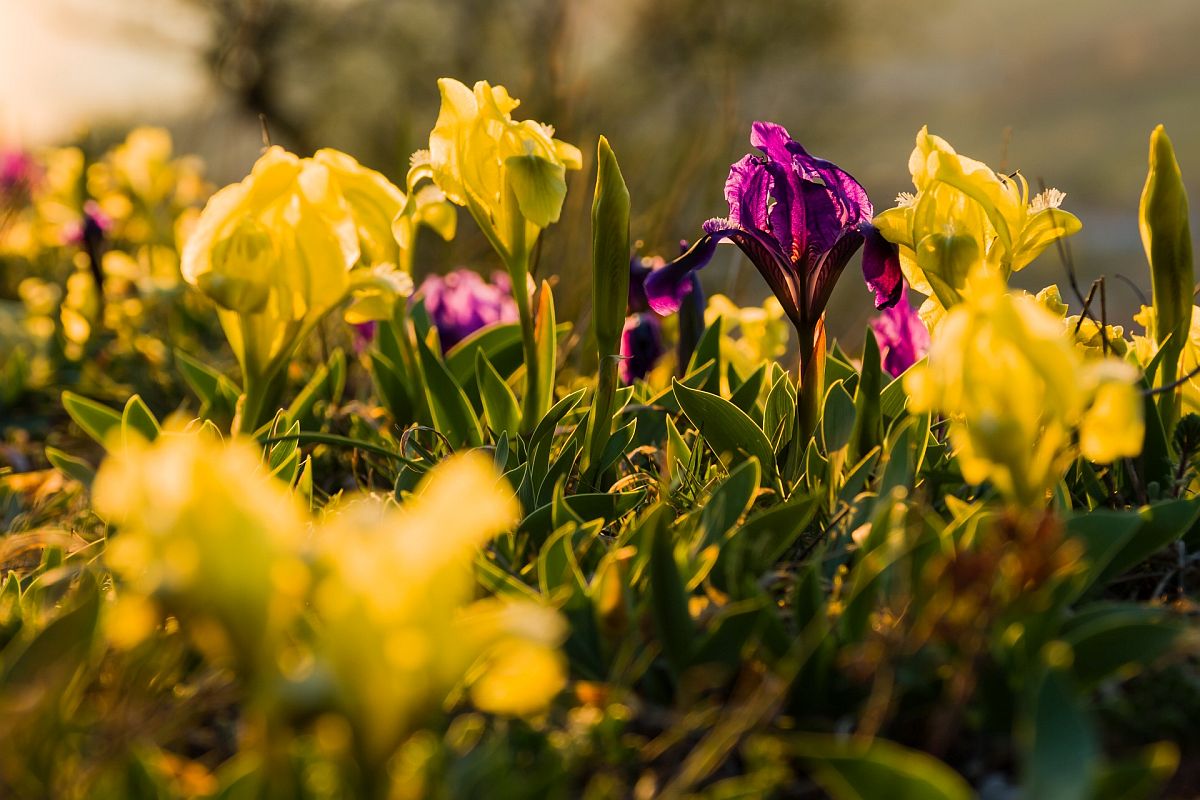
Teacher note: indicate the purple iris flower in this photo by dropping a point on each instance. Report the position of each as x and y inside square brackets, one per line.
[461, 302]
[641, 347]
[903, 339]
[799, 219]
[641, 340]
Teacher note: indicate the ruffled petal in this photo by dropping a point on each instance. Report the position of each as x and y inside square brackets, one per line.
[881, 267]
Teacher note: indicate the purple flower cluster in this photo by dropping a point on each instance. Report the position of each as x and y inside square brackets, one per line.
[462, 302]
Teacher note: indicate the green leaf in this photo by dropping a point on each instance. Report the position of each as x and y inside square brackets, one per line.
[547, 352]
[1062, 751]
[733, 626]
[617, 445]
[726, 505]
[283, 461]
[1116, 637]
[96, 420]
[610, 296]
[709, 349]
[327, 383]
[1162, 524]
[452, 412]
[695, 379]
[69, 465]
[1167, 239]
[587, 507]
[59, 648]
[668, 598]
[849, 769]
[725, 427]
[1103, 533]
[501, 343]
[500, 406]
[138, 418]
[779, 417]
[893, 398]
[610, 251]
[746, 395]
[837, 421]
[868, 419]
[218, 394]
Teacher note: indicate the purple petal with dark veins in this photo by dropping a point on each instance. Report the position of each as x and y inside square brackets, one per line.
[881, 267]
[747, 190]
[846, 195]
[828, 268]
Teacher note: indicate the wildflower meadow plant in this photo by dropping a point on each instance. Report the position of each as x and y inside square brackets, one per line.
[488, 552]
[799, 219]
[511, 176]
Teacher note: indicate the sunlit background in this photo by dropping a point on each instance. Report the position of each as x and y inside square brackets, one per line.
[1067, 92]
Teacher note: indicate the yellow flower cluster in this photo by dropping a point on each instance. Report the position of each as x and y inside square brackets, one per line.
[205, 535]
[1018, 391]
[963, 216]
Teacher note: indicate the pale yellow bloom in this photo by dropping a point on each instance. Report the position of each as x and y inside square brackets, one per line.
[399, 626]
[965, 216]
[203, 530]
[387, 591]
[511, 174]
[1016, 390]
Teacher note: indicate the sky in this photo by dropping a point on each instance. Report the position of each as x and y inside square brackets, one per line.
[70, 63]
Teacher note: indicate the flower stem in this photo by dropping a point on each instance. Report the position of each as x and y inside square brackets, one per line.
[809, 394]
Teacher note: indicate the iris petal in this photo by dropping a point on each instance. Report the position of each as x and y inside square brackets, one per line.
[881, 267]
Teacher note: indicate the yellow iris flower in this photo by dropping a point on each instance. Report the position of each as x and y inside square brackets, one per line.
[1017, 388]
[382, 595]
[510, 174]
[280, 249]
[964, 215]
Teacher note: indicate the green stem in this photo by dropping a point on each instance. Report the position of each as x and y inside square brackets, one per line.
[808, 396]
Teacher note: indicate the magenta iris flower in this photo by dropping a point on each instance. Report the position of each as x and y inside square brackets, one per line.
[799, 219]
[903, 339]
[461, 302]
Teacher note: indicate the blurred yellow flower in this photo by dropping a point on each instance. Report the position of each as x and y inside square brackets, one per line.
[964, 215]
[1016, 389]
[208, 536]
[398, 626]
[762, 332]
[203, 529]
